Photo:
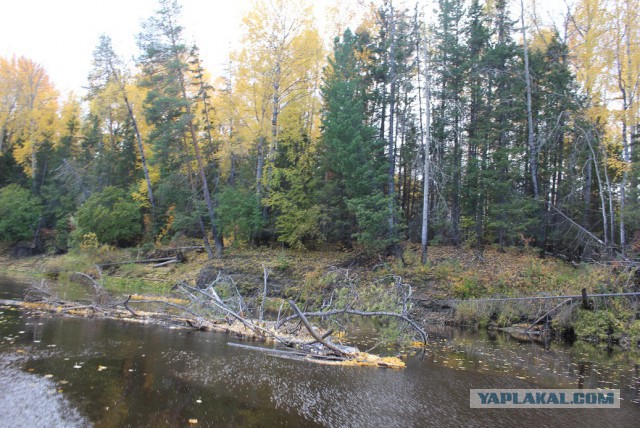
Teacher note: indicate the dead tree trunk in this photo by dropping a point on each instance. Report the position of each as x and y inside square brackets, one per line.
[533, 149]
[314, 333]
[426, 164]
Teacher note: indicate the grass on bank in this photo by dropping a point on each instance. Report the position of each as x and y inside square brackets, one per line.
[451, 272]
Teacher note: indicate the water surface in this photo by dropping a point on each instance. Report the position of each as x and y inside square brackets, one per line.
[106, 373]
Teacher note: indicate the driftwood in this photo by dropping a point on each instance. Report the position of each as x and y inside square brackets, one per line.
[112, 311]
[207, 310]
[192, 248]
[96, 287]
[324, 336]
[104, 303]
[126, 306]
[326, 343]
[101, 296]
[404, 318]
[215, 301]
[555, 308]
[289, 353]
[10, 302]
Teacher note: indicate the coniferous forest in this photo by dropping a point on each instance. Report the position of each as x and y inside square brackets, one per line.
[474, 123]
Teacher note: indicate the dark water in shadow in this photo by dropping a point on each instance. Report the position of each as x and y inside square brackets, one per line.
[107, 373]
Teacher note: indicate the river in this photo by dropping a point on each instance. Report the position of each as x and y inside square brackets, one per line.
[62, 371]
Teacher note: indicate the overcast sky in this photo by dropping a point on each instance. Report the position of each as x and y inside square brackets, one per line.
[62, 34]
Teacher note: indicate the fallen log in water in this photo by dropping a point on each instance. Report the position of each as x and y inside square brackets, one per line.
[355, 359]
[320, 349]
[314, 334]
[6, 302]
[547, 314]
[403, 317]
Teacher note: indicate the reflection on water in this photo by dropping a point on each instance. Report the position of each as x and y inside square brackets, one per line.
[118, 374]
[581, 365]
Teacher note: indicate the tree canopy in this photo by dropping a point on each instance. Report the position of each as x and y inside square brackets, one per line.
[313, 138]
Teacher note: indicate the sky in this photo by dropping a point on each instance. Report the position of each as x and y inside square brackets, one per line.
[62, 34]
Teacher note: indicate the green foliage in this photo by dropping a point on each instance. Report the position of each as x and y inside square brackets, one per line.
[331, 184]
[10, 170]
[282, 262]
[239, 214]
[444, 271]
[597, 325]
[62, 233]
[134, 285]
[351, 157]
[372, 215]
[513, 312]
[634, 331]
[20, 212]
[473, 314]
[112, 215]
[468, 287]
[292, 190]
[512, 218]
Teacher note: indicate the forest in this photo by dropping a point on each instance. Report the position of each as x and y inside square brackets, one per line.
[471, 124]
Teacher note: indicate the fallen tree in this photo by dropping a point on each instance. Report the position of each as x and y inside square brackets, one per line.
[220, 307]
[402, 317]
[397, 294]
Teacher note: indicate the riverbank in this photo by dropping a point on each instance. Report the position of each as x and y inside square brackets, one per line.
[312, 277]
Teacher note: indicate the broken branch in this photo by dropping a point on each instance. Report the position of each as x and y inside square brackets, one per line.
[409, 321]
[314, 334]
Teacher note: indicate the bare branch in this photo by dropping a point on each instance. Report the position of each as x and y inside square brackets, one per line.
[327, 344]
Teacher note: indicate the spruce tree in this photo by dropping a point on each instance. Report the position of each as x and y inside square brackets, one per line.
[449, 65]
[351, 156]
[165, 64]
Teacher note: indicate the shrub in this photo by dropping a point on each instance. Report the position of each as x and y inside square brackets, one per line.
[371, 212]
[634, 332]
[597, 325]
[19, 213]
[468, 287]
[472, 314]
[112, 215]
